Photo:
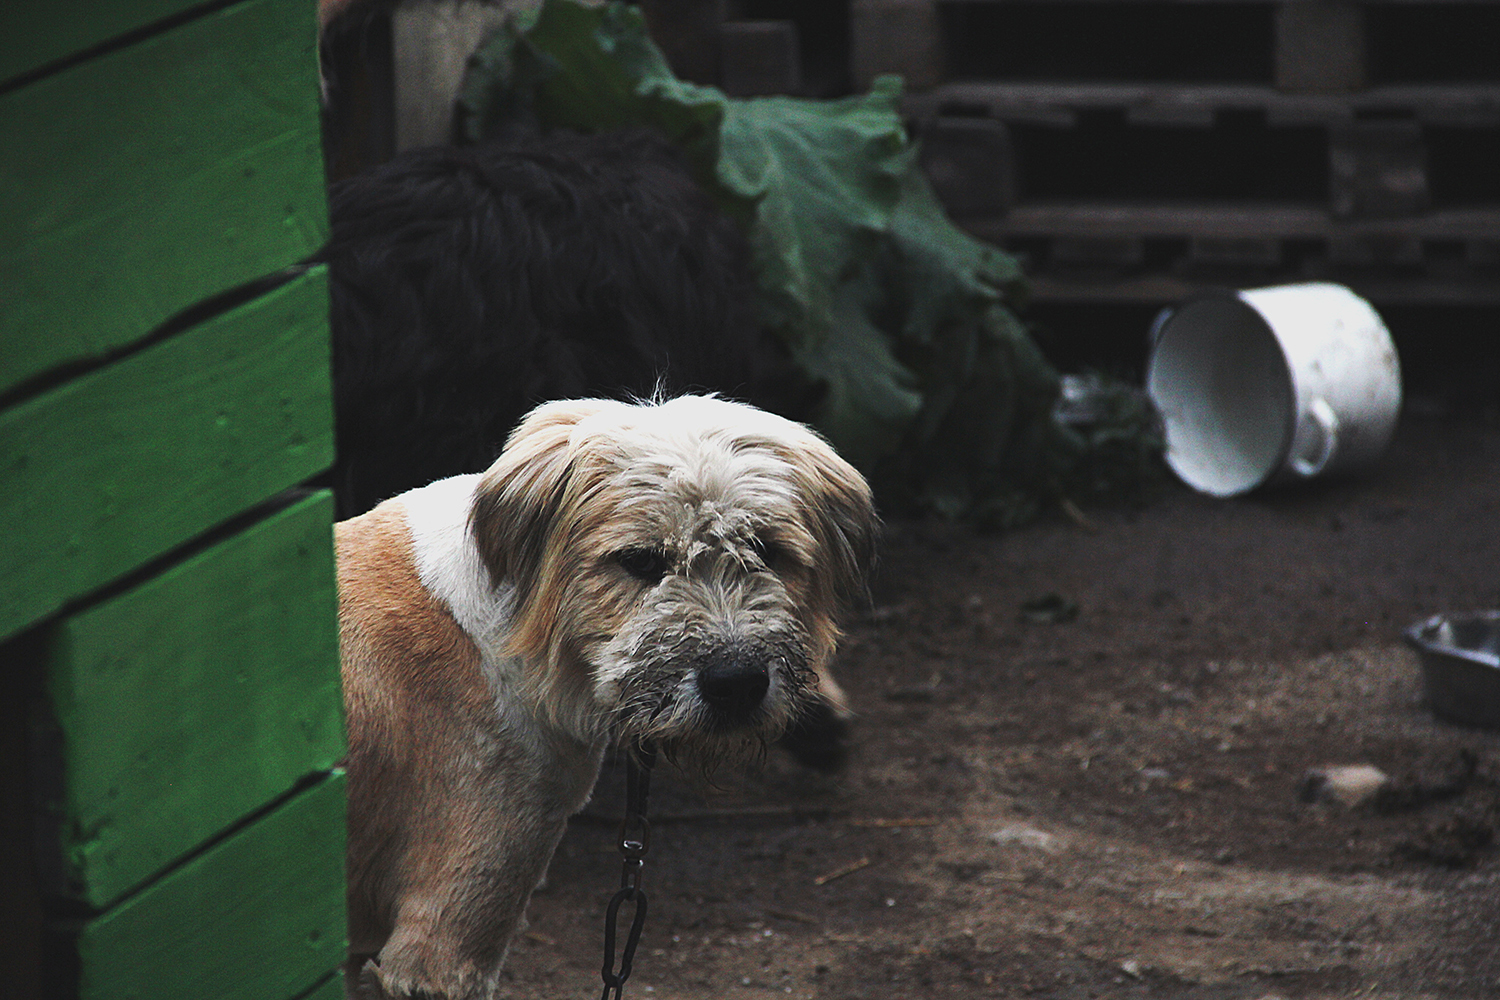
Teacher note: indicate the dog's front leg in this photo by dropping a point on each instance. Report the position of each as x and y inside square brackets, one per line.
[465, 901]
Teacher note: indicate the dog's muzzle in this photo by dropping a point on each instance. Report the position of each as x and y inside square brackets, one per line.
[714, 694]
[734, 684]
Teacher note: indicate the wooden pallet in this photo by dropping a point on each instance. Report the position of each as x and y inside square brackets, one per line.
[173, 810]
[1335, 46]
[1142, 189]
[1059, 104]
[1157, 252]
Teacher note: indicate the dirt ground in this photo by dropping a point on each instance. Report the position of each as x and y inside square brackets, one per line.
[1107, 806]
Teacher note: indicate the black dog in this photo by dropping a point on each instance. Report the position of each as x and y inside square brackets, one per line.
[471, 283]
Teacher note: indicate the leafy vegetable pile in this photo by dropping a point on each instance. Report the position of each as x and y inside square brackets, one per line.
[932, 385]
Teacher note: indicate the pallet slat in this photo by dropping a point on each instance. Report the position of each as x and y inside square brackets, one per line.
[1159, 288]
[1223, 220]
[115, 468]
[153, 177]
[258, 916]
[193, 699]
[1476, 105]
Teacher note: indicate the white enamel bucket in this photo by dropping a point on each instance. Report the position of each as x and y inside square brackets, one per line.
[1272, 384]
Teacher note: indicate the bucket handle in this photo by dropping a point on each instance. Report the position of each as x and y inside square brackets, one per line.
[1327, 423]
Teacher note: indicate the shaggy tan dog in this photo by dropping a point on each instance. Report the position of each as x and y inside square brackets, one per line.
[667, 572]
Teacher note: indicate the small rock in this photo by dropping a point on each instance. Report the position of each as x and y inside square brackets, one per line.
[1349, 786]
[1025, 836]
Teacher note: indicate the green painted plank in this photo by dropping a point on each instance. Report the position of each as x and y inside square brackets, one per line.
[139, 183]
[193, 699]
[259, 916]
[333, 989]
[115, 468]
[33, 34]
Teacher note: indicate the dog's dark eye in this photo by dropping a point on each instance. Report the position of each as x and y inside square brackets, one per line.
[644, 564]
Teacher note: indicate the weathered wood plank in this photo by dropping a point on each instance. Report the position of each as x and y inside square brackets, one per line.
[141, 182]
[193, 699]
[258, 916]
[115, 468]
[332, 989]
[1472, 105]
[1225, 220]
[430, 48]
[34, 34]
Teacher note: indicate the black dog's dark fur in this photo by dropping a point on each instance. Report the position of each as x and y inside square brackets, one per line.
[471, 283]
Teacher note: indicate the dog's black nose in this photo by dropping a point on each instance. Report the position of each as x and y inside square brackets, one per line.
[734, 685]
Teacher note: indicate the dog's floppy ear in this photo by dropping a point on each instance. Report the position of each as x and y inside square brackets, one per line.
[842, 518]
[520, 496]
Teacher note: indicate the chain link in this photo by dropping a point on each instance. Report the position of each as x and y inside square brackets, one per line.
[635, 841]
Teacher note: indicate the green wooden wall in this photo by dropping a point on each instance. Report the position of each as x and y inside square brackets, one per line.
[175, 811]
[146, 179]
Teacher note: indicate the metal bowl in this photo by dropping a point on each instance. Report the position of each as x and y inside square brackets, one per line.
[1461, 666]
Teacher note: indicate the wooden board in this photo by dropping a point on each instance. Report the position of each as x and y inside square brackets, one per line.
[117, 467]
[190, 701]
[35, 34]
[258, 916]
[141, 182]
[332, 989]
[1223, 219]
[1474, 105]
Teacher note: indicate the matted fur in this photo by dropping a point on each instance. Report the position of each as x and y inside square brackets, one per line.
[500, 630]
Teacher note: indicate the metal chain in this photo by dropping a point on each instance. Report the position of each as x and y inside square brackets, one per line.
[635, 841]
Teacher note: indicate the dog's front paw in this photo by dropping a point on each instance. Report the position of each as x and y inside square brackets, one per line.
[373, 983]
[414, 973]
[388, 987]
[368, 984]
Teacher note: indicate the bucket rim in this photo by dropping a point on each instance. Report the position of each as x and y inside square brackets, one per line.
[1225, 295]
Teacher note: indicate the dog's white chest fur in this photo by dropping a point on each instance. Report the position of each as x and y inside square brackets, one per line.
[451, 569]
[448, 561]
